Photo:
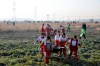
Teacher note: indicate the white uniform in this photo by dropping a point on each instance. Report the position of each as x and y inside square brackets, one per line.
[62, 27]
[40, 38]
[63, 38]
[57, 37]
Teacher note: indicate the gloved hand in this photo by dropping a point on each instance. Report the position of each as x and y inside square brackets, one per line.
[45, 54]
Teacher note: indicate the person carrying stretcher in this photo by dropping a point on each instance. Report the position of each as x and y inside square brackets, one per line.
[47, 49]
[57, 43]
[62, 29]
[73, 47]
[42, 30]
[63, 40]
[40, 38]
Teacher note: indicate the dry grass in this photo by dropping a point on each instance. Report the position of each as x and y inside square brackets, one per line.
[36, 26]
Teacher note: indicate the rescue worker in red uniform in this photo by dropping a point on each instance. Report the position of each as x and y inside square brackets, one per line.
[62, 29]
[74, 43]
[63, 40]
[49, 30]
[40, 38]
[54, 32]
[43, 29]
[57, 42]
[47, 49]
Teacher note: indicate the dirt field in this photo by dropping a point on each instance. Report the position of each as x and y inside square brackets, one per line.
[30, 29]
[35, 26]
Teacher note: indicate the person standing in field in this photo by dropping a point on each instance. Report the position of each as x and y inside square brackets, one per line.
[57, 42]
[68, 28]
[63, 40]
[54, 32]
[62, 29]
[42, 30]
[40, 38]
[47, 49]
[73, 47]
[48, 30]
[83, 31]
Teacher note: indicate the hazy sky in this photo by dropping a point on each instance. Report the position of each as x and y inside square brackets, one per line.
[55, 9]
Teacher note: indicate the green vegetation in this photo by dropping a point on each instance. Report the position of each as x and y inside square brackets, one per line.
[21, 51]
[24, 53]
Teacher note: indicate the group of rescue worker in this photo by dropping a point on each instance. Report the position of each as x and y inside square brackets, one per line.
[60, 42]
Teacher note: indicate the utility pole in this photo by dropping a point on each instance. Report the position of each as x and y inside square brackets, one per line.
[14, 11]
[35, 13]
[47, 17]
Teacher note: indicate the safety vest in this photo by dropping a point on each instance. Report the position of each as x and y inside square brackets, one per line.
[74, 43]
[48, 45]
